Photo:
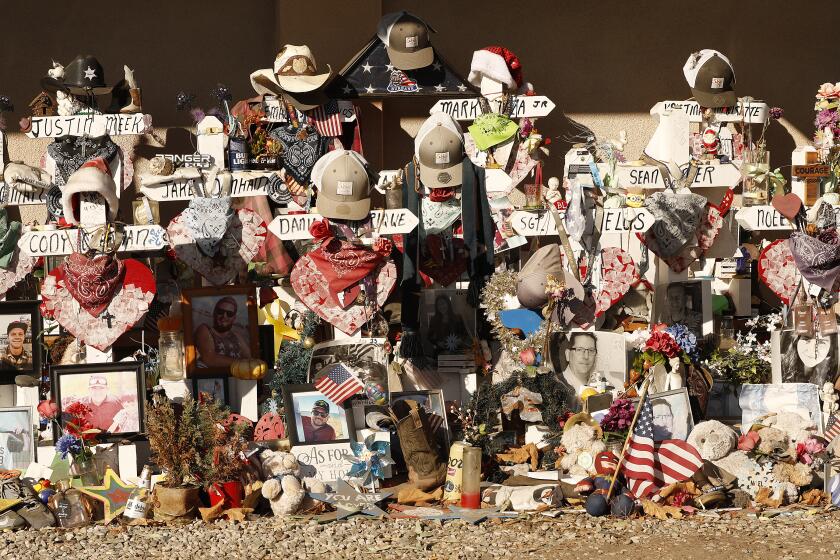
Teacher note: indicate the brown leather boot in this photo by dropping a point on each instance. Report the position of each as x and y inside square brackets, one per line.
[426, 469]
[136, 105]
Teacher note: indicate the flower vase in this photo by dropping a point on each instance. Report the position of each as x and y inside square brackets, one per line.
[755, 184]
[84, 468]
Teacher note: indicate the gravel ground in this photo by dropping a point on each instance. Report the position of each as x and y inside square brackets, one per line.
[569, 536]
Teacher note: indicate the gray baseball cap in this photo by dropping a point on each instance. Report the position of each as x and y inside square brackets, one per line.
[406, 39]
[439, 148]
[343, 183]
[711, 78]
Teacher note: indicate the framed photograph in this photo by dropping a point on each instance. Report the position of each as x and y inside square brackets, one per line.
[799, 359]
[220, 327]
[432, 401]
[20, 351]
[688, 302]
[18, 437]
[587, 358]
[312, 419]
[215, 387]
[672, 417]
[114, 392]
[447, 323]
[365, 357]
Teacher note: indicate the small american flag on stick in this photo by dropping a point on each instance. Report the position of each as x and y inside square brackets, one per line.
[339, 384]
[648, 465]
[832, 428]
[327, 118]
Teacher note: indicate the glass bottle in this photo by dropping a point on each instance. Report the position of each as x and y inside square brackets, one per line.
[84, 468]
[138, 503]
[172, 364]
[471, 478]
[69, 506]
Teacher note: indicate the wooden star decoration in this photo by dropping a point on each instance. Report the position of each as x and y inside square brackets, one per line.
[473, 516]
[113, 492]
[348, 501]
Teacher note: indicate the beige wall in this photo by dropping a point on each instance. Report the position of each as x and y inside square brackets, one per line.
[603, 63]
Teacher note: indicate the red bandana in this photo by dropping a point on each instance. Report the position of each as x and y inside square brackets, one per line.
[93, 282]
[344, 264]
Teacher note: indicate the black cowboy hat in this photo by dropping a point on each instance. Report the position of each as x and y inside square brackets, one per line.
[84, 75]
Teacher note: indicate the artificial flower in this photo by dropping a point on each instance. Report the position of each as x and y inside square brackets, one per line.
[826, 117]
[619, 416]
[686, 340]
[637, 339]
[807, 450]
[828, 91]
[47, 409]
[664, 343]
[320, 229]
[748, 441]
[776, 113]
[68, 444]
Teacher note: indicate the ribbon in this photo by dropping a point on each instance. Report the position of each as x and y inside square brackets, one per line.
[760, 172]
[281, 329]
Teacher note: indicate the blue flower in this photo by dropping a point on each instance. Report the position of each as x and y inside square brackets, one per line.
[685, 339]
[369, 460]
[68, 444]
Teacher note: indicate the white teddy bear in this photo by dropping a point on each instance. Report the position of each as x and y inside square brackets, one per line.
[717, 444]
[577, 440]
[283, 486]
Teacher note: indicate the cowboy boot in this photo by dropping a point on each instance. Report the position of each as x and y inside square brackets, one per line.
[425, 468]
[136, 105]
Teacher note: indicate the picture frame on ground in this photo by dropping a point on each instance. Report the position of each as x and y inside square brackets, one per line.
[114, 392]
[688, 302]
[672, 417]
[587, 358]
[214, 387]
[220, 327]
[20, 350]
[366, 358]
[435, 407]
[18, 437]
[312, 419]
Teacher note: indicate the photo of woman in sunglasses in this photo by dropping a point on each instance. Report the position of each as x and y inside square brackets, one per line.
[224, 337]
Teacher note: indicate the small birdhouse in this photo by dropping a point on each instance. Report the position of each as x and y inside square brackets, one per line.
[43, 105]
[211, 139]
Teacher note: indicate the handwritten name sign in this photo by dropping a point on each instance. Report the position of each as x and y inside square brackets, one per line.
[13, 197]
[754, 112]
[811, 171]
[708, 175]
[532, 223]
[385, 222]
[521, 106]
[276, 112]
[89, 125]
[767, 218]
[325, 462]
[66, 241]
[242, 183]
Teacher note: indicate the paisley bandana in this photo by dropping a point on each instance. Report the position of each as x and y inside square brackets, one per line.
[208, 219]
[439, 216]
[344, 264]
[302, 147]
[9, 235]
[818, 259]
[71, 152]
[677, 218]
[93, 281]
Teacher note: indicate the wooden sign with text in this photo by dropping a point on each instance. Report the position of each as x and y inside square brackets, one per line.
[385, 222]
[242, 183]
[66, 241]
[754, 112]
[811, 171]
[326, 462]
[276, 112]
[89, 125]
[764, 218]
[468, 109]
[708, 175]
[532, 223]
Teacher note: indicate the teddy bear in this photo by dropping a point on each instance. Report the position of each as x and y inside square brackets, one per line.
[797, 428]
[716, 442]
[580, 442]
[284, 488]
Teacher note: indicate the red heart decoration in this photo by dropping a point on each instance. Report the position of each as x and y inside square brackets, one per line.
[778, 271]
[618, 275]
[313, 290]
[269, 427]
[788, 205]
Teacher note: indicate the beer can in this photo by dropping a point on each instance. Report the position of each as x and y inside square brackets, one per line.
[454, 472]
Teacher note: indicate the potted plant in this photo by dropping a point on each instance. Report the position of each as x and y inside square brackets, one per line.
[176, 439]
[222, 460]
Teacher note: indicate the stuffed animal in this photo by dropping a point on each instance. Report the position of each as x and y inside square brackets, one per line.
[797, 428]
[283, 486]
[581, 445]
[717, 444]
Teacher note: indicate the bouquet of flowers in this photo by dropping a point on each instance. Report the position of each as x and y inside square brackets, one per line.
[662, 345]
[748, 361]
[827, 123]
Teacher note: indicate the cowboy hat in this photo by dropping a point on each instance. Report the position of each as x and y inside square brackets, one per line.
[294, 71]
[84, 75]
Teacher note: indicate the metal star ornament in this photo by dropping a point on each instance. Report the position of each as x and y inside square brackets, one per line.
[113, 492]
[90, 73]
[473, 516]
[349, 501]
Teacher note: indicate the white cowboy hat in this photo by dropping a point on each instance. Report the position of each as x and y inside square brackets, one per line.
[294, 71]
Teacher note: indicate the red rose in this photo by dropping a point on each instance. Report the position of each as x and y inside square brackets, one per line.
[47, 409]
[663, 343]
[320, 230]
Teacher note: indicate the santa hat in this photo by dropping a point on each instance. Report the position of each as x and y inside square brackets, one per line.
[92, 177]
[497, 63]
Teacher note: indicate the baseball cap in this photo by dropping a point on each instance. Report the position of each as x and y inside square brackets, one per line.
[711, 78]
[321, 403]
[439, 149]
[343, 183]
[406, 39]
[97, 381]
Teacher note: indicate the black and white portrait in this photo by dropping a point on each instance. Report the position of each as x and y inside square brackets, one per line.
[589, 359]
[808, 359]
[687, 303]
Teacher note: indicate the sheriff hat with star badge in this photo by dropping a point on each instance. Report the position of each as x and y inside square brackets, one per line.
[83, 76]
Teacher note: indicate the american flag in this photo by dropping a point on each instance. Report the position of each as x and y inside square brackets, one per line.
[327, 118]
[339, 384]
[832, 428]
[649, 465]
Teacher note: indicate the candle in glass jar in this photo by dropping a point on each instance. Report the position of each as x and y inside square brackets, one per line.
[471, 478]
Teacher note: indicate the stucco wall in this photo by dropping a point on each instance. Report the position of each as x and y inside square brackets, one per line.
[603, 63]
